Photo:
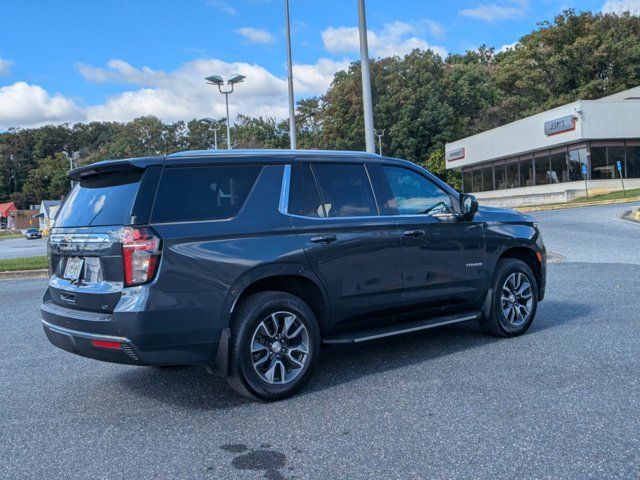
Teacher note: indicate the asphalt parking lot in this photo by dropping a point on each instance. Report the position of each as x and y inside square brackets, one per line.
[21, 247]
[562, 401]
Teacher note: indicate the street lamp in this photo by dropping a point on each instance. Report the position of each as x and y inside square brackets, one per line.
[216, 127]
[219, 81]
[380, 134]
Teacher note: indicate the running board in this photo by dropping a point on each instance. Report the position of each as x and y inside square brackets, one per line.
[399, 328]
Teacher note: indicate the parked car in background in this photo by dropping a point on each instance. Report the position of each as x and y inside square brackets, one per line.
[247, 261]
[31, 233]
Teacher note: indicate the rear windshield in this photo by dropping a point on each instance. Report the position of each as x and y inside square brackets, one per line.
[203, 193]
[100, 200]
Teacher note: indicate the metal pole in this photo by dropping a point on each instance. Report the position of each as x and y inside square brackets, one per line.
[215, 137]
[366, 80]
[226, 97]
[292, 105]
[380, 134]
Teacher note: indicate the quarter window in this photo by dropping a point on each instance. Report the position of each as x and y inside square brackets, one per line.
[311, 205]
[345, 189]
[414, 194]
[203, 193]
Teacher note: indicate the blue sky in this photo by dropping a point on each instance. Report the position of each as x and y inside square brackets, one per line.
[115, 60]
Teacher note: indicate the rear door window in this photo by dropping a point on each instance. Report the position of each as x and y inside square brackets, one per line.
[100, 200]
[304, 193]
[345, 190]
[203, 193]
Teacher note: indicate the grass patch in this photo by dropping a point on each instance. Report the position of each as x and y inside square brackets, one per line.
[609, 196]
[28, 263]
[7, 235]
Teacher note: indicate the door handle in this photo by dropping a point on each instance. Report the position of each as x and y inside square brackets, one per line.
[323, 239]
[413, 233]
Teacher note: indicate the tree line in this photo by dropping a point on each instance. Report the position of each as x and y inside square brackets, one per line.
[421, 101]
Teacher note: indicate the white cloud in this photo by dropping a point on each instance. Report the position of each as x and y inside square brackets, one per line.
[222, 6]
[256, 35]
[619, 6]
[316, 78]
[493, 12]
[397, 38]
[24, 105]
[5, 66]
[507, 46]
[180, 94]
[183, 94]
[435, 29]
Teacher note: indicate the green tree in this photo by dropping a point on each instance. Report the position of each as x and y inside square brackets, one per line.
[48, 180]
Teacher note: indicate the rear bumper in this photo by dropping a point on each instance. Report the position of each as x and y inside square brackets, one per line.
[74, 330]
[80, 343]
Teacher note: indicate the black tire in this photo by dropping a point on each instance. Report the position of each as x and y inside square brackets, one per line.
[249, 315]
[499, 323]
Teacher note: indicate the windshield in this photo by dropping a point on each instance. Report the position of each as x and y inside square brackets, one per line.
[100, 200]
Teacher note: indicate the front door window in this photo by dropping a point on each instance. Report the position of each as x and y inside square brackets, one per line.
[414, 194]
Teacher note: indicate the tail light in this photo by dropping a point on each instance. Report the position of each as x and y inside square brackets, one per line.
[140, 255]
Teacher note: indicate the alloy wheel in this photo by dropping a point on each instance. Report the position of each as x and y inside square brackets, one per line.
[516, 299]
[280, 347]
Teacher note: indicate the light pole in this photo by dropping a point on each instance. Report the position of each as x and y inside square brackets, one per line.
[215, 126]
[219, 81]
[292, 105]
[380, 134]
[366, 79]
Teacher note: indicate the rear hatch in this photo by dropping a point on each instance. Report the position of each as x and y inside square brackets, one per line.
[92, 246]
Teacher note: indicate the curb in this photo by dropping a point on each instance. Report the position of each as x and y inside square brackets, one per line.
[17, 274]
[561, 206]
[630, 215]
[554, 258]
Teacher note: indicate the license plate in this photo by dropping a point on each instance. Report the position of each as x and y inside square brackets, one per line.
[74, 268]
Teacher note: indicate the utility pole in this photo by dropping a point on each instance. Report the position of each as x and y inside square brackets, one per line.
[292, 105]
[366, 79]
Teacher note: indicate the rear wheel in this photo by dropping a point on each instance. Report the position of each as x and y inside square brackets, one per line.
[275, 346]
[515, 299]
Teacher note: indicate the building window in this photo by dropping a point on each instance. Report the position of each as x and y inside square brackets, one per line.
[599, 167]
[477, 180]
[512, 175]
[633, 162]
[543, 170]
[577, 158]
[616, 154]
[487, 179]
[526, 172]
[558, 172]
[500, 172]
[467, 184]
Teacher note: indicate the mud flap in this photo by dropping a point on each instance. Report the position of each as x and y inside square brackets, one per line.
[221, 366]
[486, 305]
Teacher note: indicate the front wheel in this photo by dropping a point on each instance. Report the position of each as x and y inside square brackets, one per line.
[515, 299]
[275, 346]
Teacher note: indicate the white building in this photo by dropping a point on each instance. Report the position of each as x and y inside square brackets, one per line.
[546, 158]
[47, 215]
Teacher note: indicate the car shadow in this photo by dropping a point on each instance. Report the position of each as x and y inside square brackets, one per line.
[194, 389]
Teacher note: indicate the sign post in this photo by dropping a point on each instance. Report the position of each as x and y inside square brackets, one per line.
[584, 175]
[619, 167]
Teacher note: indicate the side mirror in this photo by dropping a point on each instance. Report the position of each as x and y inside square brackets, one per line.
[468, 205]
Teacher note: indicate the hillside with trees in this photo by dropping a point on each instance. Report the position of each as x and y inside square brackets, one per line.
[421, 100]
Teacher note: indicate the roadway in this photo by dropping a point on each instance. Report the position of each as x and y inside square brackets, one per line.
[562, 401]
[21, 247]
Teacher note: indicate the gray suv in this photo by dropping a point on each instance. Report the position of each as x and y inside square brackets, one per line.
[245, 262]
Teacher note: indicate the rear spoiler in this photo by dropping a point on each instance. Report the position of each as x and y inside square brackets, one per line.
[111, 166]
